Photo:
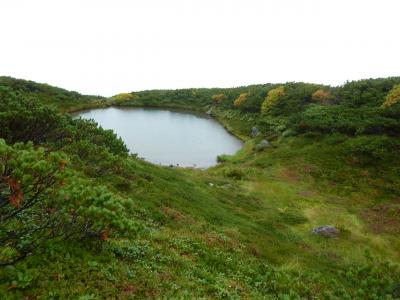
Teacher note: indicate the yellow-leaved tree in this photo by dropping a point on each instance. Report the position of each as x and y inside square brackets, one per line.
[393, 97]
[218, 98]
[272, 97]
[321, 96]
[241, 99]
[124, 97]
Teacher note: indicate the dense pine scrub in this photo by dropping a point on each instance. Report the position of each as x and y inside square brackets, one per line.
[52, 96]
[81, 218]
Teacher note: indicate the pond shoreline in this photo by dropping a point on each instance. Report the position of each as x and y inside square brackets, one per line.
[168, 136]
[192, 110]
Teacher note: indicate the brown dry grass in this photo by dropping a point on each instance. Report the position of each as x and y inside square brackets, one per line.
[383, 218]
[177, 216]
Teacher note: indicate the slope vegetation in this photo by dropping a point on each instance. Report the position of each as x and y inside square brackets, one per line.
[83, 219]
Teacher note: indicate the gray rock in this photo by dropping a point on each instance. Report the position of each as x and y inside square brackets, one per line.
[209, 112]
[327, 231]
[287, 133]
[263, 144]
[254, 132]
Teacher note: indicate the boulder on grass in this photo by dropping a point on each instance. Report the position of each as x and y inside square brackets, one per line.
[327, 231]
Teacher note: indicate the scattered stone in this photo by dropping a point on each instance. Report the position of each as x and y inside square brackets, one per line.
[209, 112]
[211, 184]
[254, 132]
[227, 186]
[327, 231]
[263, 144]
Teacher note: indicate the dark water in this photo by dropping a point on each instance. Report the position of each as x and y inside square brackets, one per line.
[168, 137]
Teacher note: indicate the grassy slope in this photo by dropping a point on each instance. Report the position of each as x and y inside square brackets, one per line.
[247, 237]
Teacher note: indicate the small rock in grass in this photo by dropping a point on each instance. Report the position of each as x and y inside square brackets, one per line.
[263, 144]
[327, 231]
[254, 132]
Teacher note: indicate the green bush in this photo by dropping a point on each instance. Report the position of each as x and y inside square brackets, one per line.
[373, 149]
[41, 200]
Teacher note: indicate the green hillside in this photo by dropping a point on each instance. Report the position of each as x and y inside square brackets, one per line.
[52, 96]
[83, 219]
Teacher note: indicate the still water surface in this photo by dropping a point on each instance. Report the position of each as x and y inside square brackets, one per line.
[168, 137]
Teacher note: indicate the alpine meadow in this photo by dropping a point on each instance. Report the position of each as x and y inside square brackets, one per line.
[309, 208]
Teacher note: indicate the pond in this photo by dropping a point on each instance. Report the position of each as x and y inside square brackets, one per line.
[168, 137]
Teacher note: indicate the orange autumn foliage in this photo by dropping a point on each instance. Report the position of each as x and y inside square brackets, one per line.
[218, 98]
[105, 235]
[16, 197]
[321, 96]
[393, 97]
[241, 99]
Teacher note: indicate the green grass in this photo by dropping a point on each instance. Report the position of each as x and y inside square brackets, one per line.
[245, 238]
[241, 229]
[214, 241]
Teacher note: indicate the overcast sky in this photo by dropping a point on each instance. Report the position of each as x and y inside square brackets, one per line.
[108, 47]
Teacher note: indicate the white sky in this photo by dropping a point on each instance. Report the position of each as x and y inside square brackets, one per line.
[107, 47]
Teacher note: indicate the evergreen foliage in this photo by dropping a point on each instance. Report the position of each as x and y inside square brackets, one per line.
[104, 224]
